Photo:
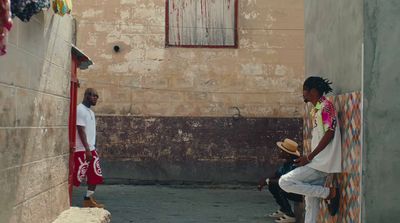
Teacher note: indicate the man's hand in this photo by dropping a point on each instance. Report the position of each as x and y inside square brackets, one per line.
[89, 155]
[301, 161]
[261, 183]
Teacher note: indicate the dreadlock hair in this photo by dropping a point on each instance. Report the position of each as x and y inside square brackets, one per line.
[322, 85]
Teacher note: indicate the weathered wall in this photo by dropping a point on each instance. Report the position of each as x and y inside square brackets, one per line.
[34, 104]
[333, 42]
[174, 86]
[381, 111]
[262, 77]
[192, 149]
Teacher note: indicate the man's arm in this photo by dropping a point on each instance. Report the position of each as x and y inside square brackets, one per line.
[326, 139]
[82, 136]
[329, 122]
[263, 181]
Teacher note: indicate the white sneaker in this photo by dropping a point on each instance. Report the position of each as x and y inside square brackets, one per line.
[276, 214]
[286, 219]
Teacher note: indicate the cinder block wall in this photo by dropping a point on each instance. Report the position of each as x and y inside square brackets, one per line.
[34, 107]
[180, 101]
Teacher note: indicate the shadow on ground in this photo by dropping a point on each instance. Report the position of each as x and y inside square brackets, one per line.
[165, 204]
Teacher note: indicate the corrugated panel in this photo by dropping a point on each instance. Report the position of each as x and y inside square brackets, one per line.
[201, 22]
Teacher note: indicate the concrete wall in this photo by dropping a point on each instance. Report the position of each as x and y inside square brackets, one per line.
[381, 110]
[156, 92]
[335, 31]
[34, 106]
[333, 42]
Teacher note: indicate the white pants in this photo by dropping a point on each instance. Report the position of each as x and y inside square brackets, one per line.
[309, 182]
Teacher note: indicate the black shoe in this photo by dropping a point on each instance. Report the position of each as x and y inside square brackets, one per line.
[333, 205]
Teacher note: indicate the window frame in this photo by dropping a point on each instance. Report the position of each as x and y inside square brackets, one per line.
[236, 31]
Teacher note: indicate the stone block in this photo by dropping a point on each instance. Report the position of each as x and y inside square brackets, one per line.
[31, 38]
[185, 82]
[34, 178]
[40, 109]
[64, 28]
[84, 215]
[52, 79]
[11, 148]
[13, 34]
[252, 69]
[44, 207]
[157, 109]
[18, 67]
[117, 95]
[8, 105]
[116, 108]
[272, 39]
[155, 54]
[8, 185]
[57, 50]
[271, 14]
[42, 143]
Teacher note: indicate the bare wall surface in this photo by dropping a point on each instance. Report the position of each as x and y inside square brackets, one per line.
[381, 111]
[34, 105]
[191, 149]
[263, 77]
[333, 42]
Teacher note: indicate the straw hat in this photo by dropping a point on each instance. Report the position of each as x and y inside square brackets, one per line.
[289, 146]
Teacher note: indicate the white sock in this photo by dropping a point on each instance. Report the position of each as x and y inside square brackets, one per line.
[89, 193]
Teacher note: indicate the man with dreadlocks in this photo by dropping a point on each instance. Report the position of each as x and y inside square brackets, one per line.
[325, 157]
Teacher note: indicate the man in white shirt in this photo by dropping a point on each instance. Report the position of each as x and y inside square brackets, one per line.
[325, 157]
[86, 159]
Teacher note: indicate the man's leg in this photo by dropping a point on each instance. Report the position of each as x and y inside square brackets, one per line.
[273, 187]
[312, 209]
[94, 177]
[286, 207]
[305, 180]
[91, 189]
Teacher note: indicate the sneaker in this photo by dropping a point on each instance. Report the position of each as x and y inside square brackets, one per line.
[90, 202]
[286, 219]
[276, 214]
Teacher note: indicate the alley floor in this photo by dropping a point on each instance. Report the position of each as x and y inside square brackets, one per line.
[172, 204]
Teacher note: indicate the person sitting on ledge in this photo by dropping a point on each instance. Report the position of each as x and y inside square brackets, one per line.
[289, 152]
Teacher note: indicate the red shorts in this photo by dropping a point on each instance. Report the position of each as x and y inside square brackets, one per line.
[84, 171]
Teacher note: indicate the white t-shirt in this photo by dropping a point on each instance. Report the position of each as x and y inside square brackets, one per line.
[329, 160]
[85, 117]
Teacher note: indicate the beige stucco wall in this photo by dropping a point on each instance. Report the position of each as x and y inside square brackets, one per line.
[263, 77]
[34, 105]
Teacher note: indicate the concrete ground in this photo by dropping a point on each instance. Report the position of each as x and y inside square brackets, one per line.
[178, 204]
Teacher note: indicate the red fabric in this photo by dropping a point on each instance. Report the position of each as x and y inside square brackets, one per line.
[5, 24]
[84, 171]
